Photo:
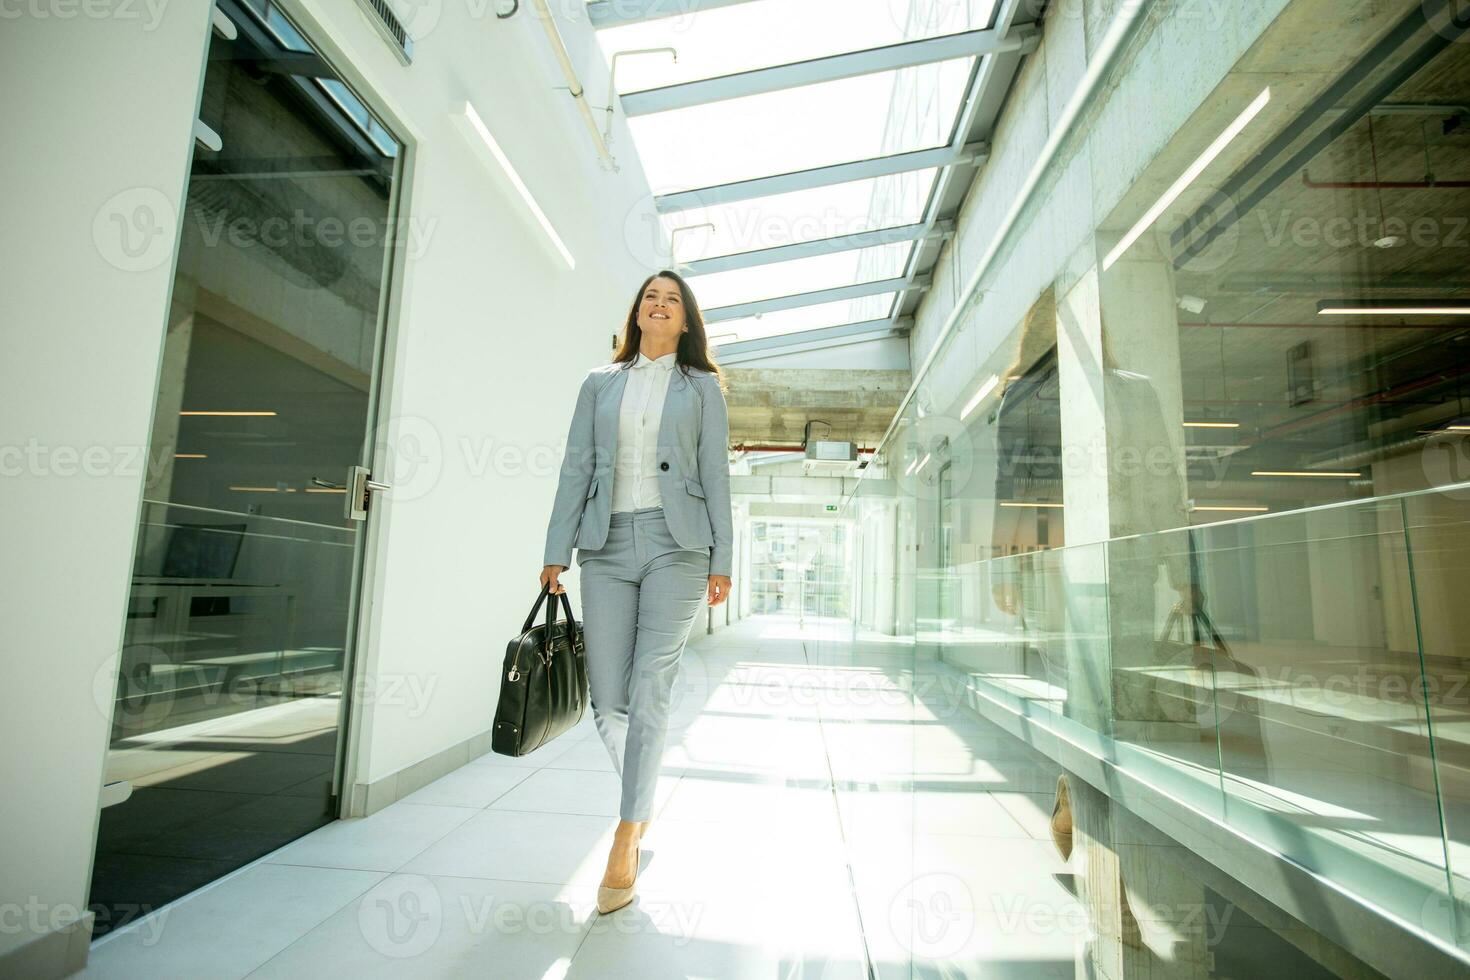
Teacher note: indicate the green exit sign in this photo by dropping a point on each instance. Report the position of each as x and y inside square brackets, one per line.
[831, 508]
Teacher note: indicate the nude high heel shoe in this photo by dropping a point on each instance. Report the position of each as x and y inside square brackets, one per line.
[612, 899]
[1061, 819]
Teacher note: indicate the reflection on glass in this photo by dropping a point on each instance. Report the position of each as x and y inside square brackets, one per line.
[1206, 510]
[228, 704]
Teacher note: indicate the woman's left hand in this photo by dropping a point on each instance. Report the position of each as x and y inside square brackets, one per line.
[719, 589]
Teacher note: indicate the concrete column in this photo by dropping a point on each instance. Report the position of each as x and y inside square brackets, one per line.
[1124, 475]
[1147, 919]
[884, 568]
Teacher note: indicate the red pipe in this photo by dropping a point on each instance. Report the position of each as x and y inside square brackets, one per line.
[752, 447]
[1406, 388]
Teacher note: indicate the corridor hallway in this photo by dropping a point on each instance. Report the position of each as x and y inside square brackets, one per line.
[782, 847]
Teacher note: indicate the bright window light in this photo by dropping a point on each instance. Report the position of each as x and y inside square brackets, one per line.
[509, 171]
[1188, 177]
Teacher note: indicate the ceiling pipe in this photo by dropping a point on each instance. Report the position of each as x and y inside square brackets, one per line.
[1323, 324]
[1375, 185]
[754, 447]
[579, 94]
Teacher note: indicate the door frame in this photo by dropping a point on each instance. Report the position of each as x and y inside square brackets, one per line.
[334, 43]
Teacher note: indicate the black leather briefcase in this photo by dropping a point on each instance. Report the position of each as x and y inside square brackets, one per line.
[543, 688]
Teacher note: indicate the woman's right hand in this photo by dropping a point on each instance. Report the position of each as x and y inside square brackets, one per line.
[549, 576]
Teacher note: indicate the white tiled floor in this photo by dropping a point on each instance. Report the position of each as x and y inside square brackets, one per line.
[813, 821]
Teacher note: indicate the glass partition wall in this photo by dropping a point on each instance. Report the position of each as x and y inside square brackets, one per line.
[227, 707]
[1188, 480]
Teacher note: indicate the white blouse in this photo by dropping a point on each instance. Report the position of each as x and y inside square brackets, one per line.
[635, 467]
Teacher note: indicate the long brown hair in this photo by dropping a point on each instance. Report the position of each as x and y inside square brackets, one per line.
[693, 349]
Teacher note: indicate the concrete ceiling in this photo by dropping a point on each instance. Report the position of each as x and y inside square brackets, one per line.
[771, 405]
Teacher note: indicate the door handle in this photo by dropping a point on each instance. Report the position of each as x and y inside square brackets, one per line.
[360, 488]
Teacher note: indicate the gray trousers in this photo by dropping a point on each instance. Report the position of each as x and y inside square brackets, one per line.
[640, 595]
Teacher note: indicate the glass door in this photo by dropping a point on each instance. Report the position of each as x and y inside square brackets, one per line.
[228, 707]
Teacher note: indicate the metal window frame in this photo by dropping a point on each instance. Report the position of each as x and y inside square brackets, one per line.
[997, 51]
[832, 68]
[791, 301]
[819, 246]
[837, 173]
[616, 13]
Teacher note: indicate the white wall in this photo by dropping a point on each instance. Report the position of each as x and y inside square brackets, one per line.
[489, 338]
[94, 108]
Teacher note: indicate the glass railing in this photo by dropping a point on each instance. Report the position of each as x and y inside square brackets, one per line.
[1302, 677]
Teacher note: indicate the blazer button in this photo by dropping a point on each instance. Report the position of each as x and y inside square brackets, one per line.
[663, 466]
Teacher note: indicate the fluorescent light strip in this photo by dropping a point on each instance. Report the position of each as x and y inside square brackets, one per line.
[1212, 425]
[1333, 473]
[238, 415]
[1024, 503]
[509, 170]
[923, 462]
[190, 456]
[1213, 508]
[265, 489]
[1393, 311]
[979, 396]
[1188, 177]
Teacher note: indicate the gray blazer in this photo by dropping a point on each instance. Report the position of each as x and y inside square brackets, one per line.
[694, 468]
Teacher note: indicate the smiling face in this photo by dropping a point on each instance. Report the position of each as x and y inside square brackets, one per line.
[661, 310]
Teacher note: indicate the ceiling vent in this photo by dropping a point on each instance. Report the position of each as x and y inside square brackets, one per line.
[829, 458]
[392, 29]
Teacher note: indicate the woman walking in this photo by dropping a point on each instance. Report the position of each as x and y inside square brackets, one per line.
[644, 495]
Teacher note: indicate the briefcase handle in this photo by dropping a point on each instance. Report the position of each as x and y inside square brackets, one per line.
[566, 606]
